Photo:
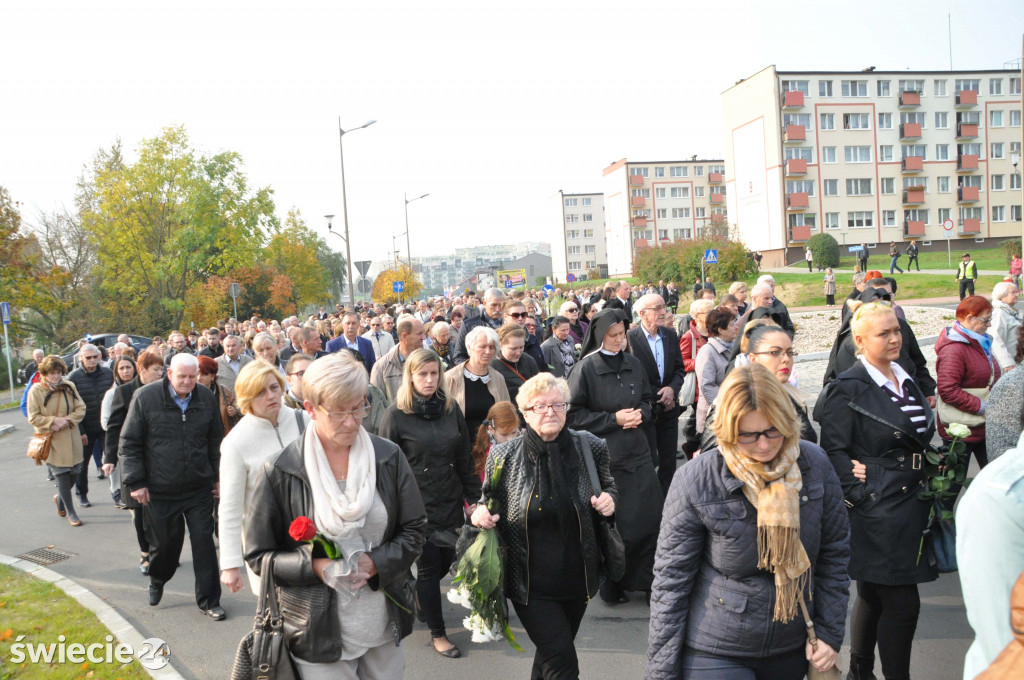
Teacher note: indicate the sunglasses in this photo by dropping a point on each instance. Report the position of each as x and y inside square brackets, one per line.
[518, 315]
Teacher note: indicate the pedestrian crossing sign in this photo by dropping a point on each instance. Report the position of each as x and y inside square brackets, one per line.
[711, 256]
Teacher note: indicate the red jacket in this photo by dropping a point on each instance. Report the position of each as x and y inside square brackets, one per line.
[961, 362]
[689, 352]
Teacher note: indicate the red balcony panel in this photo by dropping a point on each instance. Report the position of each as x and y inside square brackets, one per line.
[637, 201]
[910, 98]
[636, 180]
[913, 228]
[796, 166]
[913, 196]
[967, 162]
[718, 219]
[798, 200]
[639, 222]
[639, 243]
[967, 194]
[913, 164]
[967, 129]
[715, 177]
[796, 133]
[967, 98]
[910, 130]
[793, 100]
[717, 199]
[801, 233]
[970, 225]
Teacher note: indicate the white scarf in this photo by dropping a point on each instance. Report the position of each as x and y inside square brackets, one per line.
[339, 515]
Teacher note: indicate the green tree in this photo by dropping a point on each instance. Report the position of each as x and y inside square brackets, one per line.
[293, 251]
[680, 261]
[825, 250]
[166, 223]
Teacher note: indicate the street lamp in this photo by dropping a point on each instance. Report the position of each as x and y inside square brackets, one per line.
[344, 200]
[408, 250]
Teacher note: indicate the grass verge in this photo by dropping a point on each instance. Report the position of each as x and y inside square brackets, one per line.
[805, 290]
[986, 258]
[41, 612]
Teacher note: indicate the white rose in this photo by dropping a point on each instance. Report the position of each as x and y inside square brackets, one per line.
[958, 430]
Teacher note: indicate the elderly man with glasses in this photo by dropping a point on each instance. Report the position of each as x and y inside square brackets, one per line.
[92, 381]
[379, 338]
[494, 299]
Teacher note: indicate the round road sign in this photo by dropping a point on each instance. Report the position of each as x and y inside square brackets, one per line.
[570, 277]
[948, 225]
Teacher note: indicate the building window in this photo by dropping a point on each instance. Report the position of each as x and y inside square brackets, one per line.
[940, 88]
[916, 215]
[800, 187]
[683, 213]
[887, 185]
[678, 234]
[998, 182]
[802, 220]
[701, 213]
[973, 149]
[792, 119]
[941, 120]
[915, 182]
[1014, 85]
[698, 170]
[995, 85]
[698, 192]
[858, 187]
[857, 154]
[659, 192]
[574, 250]
[1015, 181]
[1015, 213]
[824, 88]
[659, 172]
[587, 217]
[574, 264]
[570, 203]
[942, 152]
[795, 86]
[912, 86]
[572, 233]
[591, 264]
[972, 213]
[885, 153]
[914, 117]
[855, 88]
[830, 187]
[883, 88]
[680, 192]
[888, 218]
[969, 181]
[968, 84]
[803, 152]
[860, 219]
[998, 213]
[828, 154]
[589, 249]
[970, 117]
[885, 121]
[572, 218]
[1014, 117]
[678, 171]
[587, 202]
[942, 185]
[638, 171]
[827, 121]
[832, 220]
[995, 118]
[662, 213]
[996, 150]
[916, 150]
[588, 233]
[856, 121]
[944, 214]
[719, 168]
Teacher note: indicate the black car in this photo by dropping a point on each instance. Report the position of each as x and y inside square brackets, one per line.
[103, 342]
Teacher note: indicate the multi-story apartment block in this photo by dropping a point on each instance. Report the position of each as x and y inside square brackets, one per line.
[580, 240]
[872, 157]
[650, 204]
[439, 272]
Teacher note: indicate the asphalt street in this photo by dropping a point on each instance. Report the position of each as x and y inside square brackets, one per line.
[611, 642]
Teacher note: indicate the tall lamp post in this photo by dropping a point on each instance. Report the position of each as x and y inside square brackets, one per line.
[344, 210]
[408, 200]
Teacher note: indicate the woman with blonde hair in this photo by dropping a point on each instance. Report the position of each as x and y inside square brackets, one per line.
[266, 428]
[746, 525]
[739, 289]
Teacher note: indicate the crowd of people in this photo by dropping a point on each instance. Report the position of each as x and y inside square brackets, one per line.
[383, 426]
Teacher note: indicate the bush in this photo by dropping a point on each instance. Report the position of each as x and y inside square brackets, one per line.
[1011, 247]
[680, 262]
[825, 250]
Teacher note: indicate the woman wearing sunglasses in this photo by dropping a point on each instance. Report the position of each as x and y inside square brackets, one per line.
[876, 432]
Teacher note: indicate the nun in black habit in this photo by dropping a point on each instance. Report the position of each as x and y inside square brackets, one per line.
[612, 399]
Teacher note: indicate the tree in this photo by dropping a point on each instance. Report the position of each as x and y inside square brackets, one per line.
[383, 291]
[167, 223]
[293, 252]
[680, 261]
[825, 250]
[265, 292]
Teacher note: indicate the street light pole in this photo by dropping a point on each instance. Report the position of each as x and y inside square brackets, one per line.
[344, 201]
[408, 250]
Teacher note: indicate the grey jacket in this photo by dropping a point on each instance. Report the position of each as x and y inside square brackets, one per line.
[1005, 323]
[710, 595]
[1003, 414]
[226, 376]
[386, 374]
[553, 357]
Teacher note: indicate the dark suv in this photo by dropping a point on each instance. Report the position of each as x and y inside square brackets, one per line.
[103, 341]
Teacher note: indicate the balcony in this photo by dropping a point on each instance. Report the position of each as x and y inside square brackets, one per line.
[966, 162]
[913, 196]
[910, 98]
[967, 194]
[715, 178]
[800, 233]
[717, 219]
[966, 130]
[969, 226]
[796, 166]
[639, 222]
[966, 98]
[717, 199]
[795, 134]
[910, 131]
[637, 201]
[636, 180]
[793, 100]
[913, 228]
[913, 164]
[797, 200]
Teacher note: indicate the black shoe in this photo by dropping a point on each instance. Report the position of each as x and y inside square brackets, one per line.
[83, 500]
[100, 475]
[216, 613]
[49, 475]
[451, 653]
[612, 594]
[144, 565]
[156, 592]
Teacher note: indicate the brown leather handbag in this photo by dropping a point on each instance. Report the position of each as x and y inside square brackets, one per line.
[39, 447]
[813, 673]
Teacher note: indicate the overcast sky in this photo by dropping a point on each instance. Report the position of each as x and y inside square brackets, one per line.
[491, 107]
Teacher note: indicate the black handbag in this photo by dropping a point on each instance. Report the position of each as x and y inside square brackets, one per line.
[942, 532]
[609, 540]
[263, 653]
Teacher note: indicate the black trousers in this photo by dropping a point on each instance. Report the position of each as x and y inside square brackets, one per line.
[139, 524]
[966, 286]
[165, 530]
[92, 449]
[830, 299]
[552, 626]
[666, 436]
[430, 567]
[691, 440]
[886, 616]
[912, 260]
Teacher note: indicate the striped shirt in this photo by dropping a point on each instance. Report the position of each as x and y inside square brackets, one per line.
[904, 399]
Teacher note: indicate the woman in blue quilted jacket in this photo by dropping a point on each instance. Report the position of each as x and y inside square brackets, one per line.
[749, 530]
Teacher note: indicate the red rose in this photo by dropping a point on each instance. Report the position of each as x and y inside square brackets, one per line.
[302, 529]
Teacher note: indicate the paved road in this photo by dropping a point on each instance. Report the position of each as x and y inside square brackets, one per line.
[611, 642]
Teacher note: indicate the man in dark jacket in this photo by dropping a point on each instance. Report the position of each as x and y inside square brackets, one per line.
[657, 348]
[92, 381]
[170, 452]
[494, 298]
[213, 347]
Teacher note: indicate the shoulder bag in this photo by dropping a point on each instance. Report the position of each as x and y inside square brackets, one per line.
[688, 393]
[813, 673]
[39, 447]
[950, 414]
[609, 540]
[263, 653]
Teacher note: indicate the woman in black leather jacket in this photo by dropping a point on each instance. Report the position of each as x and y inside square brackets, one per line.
[430, 430]
[361, 494]
[546, 513]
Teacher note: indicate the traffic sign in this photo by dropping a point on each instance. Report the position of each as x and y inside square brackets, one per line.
[570, 277]
[711, 256]
[234, 290]
[363, 285]
[948, 225]
[398, 286]
[5, 312]
[856, 249]
[363, 266]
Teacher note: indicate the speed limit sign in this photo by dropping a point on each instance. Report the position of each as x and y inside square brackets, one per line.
[948, 225]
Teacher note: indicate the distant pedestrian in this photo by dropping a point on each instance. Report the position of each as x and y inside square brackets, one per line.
[912, 256]
[697, 288]
[862, 257]
[894, 258]
[830, 288]
[757, 259]
[708, 285]
[967, 274]
[809, 256]
[1016, 267]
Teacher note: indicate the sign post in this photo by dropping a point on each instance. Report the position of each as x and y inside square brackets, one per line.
[948, 226]
[5, 316]
[234, 290]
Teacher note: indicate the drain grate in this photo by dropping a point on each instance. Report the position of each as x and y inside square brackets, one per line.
[47, 556]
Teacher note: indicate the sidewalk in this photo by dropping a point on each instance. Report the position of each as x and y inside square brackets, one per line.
[950, 271]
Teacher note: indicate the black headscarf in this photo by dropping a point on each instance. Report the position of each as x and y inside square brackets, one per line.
[599, 327]
[837, 364]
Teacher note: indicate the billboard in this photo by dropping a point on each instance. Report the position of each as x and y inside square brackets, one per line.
[511, 278]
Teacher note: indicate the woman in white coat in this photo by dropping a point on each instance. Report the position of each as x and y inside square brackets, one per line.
[265, 429]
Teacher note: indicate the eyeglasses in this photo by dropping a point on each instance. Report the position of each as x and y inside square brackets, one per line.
[342, 416]
[984, 319]
[752, 437]
[544, 408]
[776, 352]
[655, 309]
[97, 356]
[572, 309]
[299, 373]
[518, 315]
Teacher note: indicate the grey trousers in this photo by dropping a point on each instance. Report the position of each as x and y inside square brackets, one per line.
[386, 662]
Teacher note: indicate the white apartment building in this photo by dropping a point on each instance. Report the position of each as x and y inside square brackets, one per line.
[438, 272]
[653, 203]
[579, 241]
[872, 157]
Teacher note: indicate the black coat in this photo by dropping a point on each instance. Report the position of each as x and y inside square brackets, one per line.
[861, 422]
[844, 355]
[438, 448]
[526, 368]
[459, 352]
[118, 412]
[534, 351]
[674, 371]
[91, 388]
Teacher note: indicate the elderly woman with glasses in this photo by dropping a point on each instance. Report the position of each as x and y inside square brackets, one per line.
[360, 493]
[877, 430]
[577, 326]
[475, 385]
[547, 510]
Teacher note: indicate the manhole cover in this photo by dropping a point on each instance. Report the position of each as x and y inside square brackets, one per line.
[47, 556]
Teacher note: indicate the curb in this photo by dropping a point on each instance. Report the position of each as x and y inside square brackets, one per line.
[4, 429]
[108, 616]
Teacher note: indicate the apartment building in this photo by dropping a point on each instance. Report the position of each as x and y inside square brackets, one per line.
[440, 272]
[654, 203]
[872, 157]
[579, 241]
